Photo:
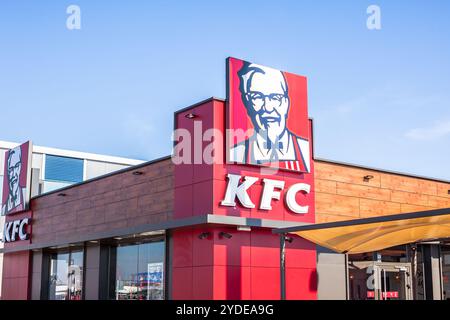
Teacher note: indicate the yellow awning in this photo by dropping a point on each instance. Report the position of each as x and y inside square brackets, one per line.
[373, 234]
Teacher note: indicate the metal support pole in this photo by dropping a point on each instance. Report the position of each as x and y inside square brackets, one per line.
[376, 257]
[347, 278]
[414, 271]
[283, 266]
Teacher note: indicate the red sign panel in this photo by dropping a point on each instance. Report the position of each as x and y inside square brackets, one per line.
[267, 117]
[17, 179]
[385, 295]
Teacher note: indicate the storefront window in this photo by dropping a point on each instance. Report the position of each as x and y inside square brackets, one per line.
[445, 253]
[361, 280]
[66, 275]
[140, 271]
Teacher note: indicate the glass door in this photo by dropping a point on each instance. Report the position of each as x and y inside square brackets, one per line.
[392, 281]
[66, 275]
[58, 276]
[75, 275]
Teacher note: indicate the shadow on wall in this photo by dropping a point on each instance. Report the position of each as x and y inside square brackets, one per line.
[313, 280]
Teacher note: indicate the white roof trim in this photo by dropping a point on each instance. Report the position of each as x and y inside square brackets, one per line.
[75, 154]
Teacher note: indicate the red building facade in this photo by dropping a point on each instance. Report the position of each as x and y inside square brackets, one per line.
[247, 266]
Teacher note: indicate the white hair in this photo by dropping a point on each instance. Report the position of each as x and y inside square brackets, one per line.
[16, 151]
[249, 69]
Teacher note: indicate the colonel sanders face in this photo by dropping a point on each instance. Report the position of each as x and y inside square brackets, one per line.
[265, 95]
[14, 168]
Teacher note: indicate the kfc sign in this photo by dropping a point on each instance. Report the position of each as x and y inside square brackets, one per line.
[16, 230]
[268, 117]
[17, 179]
[272, 190]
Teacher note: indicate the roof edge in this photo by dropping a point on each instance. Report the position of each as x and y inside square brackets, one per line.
[75, 154]
[131, 168]
[410, 175]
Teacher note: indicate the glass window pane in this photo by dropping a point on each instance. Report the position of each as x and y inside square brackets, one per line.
[151, 270]
[63, 169]
[126, 271]
[446, 271]
[140, 271]
[59, 276]
[361, 281]
[76, 275]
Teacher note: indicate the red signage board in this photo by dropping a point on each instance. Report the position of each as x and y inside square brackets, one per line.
[17, 179]
[268, 148]
[385, 295]
[267, 117]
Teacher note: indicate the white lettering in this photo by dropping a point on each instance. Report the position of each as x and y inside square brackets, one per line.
[240, 190]
[234, 189]
[22, 233]
[7, 232]
[269, 193]
[292, 202]
[74, 20]
[182, 149]
[374, 20]
[15, 228]
[371, 279]
[212, 152]
[187, 310]
[198, 142]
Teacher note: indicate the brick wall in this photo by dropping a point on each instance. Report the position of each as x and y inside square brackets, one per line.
[342, 193]
[117, 201]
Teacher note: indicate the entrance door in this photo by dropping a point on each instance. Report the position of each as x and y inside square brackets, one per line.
[66, 275]
[392, 281]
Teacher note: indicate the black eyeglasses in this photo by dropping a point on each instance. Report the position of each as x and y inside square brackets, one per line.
[258, 99]
[17, 166]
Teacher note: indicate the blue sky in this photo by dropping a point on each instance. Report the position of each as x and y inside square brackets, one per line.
[378, 98]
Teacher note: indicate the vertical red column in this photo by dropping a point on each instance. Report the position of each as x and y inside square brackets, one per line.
[220, 262]
[17, 267]
[192, 267]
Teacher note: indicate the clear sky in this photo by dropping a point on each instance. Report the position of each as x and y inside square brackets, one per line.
[379, 98]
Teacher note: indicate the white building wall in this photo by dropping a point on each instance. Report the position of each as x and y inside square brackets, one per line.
[98, 168]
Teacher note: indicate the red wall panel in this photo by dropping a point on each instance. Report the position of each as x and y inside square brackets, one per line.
[232, 283]
[232, 252]
[16, 274]
[301, 284]
[184, 204]
[265, 283]
[246, 266]
[203, 284]
[182, 285]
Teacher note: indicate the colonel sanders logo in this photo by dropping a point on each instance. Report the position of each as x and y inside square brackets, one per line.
[266, 96]
[15, 197]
